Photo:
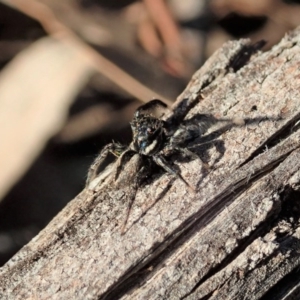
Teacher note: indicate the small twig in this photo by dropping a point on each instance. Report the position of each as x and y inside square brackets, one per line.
[164, 21]
[58, 30]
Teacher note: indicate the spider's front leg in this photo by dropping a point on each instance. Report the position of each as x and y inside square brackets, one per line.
[125, 156]
[114, 148]
[159, 160]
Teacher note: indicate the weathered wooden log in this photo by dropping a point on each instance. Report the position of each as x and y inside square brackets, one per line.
[236, 238]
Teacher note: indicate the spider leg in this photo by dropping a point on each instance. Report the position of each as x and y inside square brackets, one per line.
[159, 160]
[122, 160]
[94, 168]
[151, 106]
[135, 185]
[114, 148]
[188, 153]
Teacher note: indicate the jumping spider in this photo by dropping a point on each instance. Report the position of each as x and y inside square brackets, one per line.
[152, 139]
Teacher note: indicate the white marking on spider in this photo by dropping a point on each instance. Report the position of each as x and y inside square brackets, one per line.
[151, 147]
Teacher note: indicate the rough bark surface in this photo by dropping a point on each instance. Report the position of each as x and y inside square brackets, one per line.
[237, 238]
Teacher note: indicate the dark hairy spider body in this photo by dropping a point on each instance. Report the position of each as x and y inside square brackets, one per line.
[152, 139]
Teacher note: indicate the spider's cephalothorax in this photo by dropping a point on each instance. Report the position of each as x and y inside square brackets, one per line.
[149, 134]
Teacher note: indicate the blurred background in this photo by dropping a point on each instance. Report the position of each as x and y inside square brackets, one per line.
[73, 72]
